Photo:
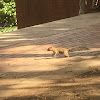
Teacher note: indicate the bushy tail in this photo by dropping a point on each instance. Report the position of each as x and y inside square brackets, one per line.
[78, 49]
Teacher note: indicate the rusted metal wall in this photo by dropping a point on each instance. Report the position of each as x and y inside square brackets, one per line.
[33, 12]
[89, 6]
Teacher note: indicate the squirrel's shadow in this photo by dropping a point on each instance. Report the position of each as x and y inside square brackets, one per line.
[72, 54]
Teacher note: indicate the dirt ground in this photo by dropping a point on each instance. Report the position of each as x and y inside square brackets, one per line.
[29, 72]
[25, 77]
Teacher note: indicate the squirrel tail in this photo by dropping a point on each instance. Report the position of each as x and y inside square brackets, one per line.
[77, 49]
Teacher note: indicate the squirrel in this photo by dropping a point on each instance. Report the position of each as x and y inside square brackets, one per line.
[64, 50]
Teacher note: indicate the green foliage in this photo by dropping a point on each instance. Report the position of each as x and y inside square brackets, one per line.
[1, 5]
[8, 12]
[8, 29]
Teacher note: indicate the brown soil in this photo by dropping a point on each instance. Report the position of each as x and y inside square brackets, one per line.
[32, 74]
[28, 72]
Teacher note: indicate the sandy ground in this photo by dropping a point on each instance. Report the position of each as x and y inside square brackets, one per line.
[25, 77]
[29, 72]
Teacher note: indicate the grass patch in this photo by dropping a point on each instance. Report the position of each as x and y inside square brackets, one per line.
[7, 29]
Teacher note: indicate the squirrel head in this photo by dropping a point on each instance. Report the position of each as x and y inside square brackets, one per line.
[50, 49]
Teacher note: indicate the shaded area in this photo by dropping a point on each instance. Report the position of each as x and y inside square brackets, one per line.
[72, 54]
[32, 98]
[6, 56]
[92, 73]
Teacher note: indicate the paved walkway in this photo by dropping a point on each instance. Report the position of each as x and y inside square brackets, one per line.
[28, 72]
[48, 29]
